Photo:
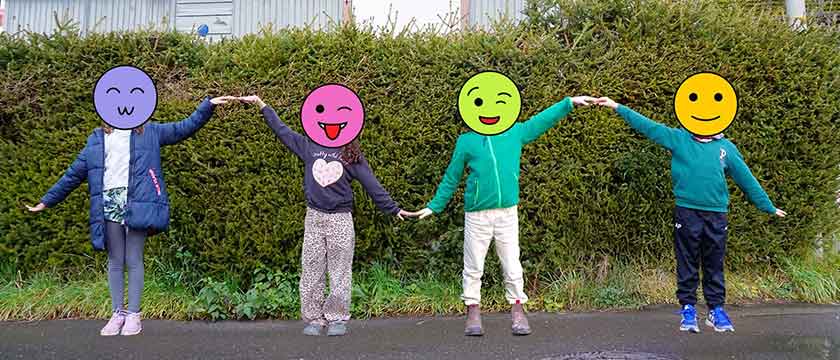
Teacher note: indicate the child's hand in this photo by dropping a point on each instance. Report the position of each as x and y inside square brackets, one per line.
[36, 208]
[583, 100]
[605, 101]
[253, 99]
[402, 214]
[422, 213]
[780, 213]
[222, 99]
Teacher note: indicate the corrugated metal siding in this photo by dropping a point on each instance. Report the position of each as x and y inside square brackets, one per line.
[121, 15]
[39, 15]
[249, 16]
[224, 17]
[484, 12]
[91, 15]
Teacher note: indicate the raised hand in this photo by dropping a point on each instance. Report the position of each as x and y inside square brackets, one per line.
[252, 99]
[583, 100]
[36, 208]
[605, 101]
[781, 213]
[222, 99]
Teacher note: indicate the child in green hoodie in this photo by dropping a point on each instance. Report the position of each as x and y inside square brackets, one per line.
[489, 103]
[699, 165]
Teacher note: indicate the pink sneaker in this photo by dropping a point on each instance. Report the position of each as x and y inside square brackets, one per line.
[132, 324]
[114, 325]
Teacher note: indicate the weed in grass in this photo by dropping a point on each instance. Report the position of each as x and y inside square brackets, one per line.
[563, 291]
[814, 281]
[271, 295]
[430, 294]
[376, 291]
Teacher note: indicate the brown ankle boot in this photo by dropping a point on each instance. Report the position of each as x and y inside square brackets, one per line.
[473, 327]
[520, 321]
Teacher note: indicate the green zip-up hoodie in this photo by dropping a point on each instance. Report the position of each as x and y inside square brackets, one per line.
[493, 180]
[699, 169]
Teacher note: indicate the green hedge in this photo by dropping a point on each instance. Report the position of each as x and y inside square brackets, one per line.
[591, 187]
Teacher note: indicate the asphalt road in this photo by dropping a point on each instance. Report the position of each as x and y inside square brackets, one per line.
[799, 332]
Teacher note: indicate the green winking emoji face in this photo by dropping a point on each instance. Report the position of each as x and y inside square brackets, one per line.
[489, 103]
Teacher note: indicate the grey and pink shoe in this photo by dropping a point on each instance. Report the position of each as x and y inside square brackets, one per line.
[132, 324]
[114, 325]
[473, 326]
[519, 325]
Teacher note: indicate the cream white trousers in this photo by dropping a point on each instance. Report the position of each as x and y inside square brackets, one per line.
[480, 228]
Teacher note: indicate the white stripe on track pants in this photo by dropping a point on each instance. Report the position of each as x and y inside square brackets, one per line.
[481, 227]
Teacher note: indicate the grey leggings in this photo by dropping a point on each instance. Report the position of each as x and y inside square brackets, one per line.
[125, 251]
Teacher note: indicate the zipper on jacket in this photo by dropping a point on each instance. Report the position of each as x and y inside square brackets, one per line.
[131, 159]
[102, 179]
[475, 201]
[155, 181]
[496, 169]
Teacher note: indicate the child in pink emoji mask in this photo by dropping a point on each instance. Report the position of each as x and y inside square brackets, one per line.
[332, 115]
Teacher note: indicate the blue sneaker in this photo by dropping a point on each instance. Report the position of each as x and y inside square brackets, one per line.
[689, 319]
[719, 320]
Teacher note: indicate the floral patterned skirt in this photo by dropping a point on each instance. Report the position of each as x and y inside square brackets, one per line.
[115, 200]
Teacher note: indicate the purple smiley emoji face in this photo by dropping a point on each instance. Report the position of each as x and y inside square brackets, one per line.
[332, 115]
[125, 97]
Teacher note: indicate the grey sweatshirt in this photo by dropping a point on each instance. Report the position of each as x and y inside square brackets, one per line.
[326, 179]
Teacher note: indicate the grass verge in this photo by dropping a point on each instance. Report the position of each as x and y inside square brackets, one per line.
[381, 291]
[48, 296]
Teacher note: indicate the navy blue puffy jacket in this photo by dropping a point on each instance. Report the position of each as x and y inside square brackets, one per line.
[148, 203]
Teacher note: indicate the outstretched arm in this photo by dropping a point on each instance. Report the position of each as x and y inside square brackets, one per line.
[294, 141]
[175, 132]
[73, 177]
[546, 119]
[740, 172]
[361, 171]
[659, 133]
[450, 181]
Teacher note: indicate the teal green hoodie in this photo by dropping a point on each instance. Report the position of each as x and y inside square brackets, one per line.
[493, 180]
[699, 169]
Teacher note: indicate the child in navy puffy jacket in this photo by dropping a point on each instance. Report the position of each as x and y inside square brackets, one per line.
[128, 200]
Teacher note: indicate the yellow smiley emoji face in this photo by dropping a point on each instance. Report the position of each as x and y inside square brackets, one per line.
[705, 104]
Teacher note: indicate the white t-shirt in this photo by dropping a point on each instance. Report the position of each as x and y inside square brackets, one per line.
[117, 156]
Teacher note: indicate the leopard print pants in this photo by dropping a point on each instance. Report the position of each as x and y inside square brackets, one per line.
[328, 244]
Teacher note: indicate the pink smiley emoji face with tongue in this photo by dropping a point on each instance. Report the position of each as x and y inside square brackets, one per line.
[332, 115]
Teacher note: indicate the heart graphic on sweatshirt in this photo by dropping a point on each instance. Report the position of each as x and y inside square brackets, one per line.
[327, 173]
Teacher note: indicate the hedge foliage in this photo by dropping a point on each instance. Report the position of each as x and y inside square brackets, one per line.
[590, 188]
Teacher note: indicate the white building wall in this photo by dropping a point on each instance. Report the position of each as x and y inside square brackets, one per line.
[223, 17]
[482, 13]
[91, 15]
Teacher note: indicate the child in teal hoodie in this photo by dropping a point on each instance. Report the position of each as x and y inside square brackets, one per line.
[699, 166]
[491, 152]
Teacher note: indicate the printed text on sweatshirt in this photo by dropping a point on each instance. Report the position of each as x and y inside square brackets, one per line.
[326, 179]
